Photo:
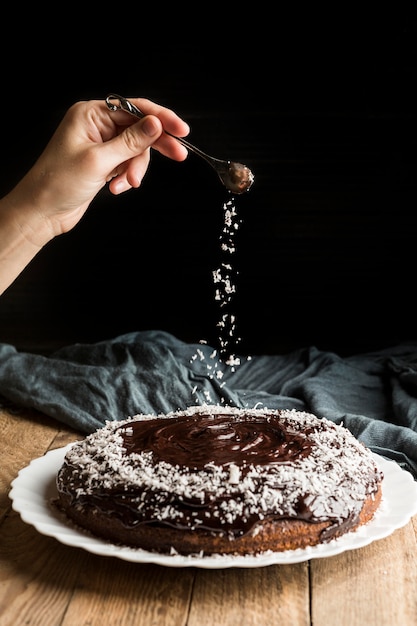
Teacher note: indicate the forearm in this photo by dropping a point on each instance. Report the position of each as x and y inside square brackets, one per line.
[22, 236]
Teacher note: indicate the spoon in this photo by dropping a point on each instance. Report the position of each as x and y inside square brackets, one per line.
[236, 177]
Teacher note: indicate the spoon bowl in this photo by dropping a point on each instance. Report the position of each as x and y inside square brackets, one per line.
[236, 177]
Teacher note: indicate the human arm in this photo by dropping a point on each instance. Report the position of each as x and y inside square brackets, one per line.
[91, 147]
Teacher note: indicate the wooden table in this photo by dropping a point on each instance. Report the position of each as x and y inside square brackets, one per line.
[44, 582]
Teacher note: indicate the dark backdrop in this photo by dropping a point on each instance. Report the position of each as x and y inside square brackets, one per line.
[323, 110]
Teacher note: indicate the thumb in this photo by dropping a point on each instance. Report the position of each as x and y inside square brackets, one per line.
[134, 140]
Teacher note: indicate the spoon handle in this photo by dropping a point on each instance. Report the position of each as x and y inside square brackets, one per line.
[122, 104]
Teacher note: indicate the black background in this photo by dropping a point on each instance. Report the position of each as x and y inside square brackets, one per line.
[322, 108]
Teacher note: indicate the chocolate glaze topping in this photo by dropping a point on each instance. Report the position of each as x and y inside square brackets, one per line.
[222, 469]
[194, 442]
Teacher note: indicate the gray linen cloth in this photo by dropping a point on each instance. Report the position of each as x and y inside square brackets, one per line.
[83, 385]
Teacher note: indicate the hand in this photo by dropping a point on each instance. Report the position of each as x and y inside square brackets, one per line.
[91, 147]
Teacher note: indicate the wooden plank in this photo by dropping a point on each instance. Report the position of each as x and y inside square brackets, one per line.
[37, 575]
[112, 591]
[357, 587]
[27, 436]
[265, 596]
[64, 437]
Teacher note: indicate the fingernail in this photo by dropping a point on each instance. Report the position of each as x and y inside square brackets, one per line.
[150, 126]
[119, 186]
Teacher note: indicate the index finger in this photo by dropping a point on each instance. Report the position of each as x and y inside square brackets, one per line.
[171, 122]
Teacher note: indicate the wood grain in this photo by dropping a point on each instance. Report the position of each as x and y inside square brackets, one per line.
[253, 597]
[377, 583]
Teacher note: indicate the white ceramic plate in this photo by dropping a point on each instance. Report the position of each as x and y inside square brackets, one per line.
[34, 488]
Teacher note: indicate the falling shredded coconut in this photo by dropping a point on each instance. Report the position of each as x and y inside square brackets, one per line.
[225, 289]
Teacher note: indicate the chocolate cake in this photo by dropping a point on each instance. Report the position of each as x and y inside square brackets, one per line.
[220, 480]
